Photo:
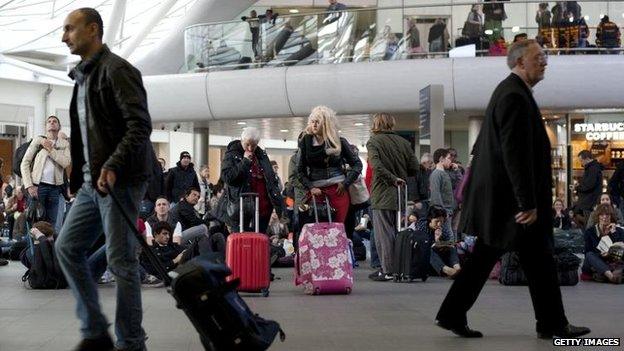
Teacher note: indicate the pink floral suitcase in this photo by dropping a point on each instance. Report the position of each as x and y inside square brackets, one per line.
[324, 264]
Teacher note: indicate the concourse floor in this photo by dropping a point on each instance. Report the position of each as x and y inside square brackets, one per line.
[376, 316]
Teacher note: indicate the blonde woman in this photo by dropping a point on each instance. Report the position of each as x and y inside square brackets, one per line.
[322, 156]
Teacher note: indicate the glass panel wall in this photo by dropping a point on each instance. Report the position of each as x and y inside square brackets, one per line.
[402, 29]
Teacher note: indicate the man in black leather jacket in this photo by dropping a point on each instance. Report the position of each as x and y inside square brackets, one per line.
[110, 139]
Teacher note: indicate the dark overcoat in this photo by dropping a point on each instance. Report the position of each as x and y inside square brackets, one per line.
[511, 171]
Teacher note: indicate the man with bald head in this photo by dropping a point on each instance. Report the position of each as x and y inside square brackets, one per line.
[110, 131]
[507, 202]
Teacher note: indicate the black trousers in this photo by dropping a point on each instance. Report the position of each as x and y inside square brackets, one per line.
[539, 267]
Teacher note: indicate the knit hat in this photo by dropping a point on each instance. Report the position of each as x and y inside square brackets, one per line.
[184, 154]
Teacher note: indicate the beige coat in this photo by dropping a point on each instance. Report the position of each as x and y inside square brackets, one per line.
[60, 155]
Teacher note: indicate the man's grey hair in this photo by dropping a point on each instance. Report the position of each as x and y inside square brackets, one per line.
[517, 50]
[250, 133]
[426, 157]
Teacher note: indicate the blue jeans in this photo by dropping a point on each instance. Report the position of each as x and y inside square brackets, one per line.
[49, 197]
[90, 215]
[441, 258]
[594, 263]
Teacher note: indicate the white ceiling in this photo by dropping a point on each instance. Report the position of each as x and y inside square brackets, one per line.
[31, 29]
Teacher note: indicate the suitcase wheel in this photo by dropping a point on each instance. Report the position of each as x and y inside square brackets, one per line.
[395, 278]
[265, 292]
[317, 291]
[424, 279]
[348, 290]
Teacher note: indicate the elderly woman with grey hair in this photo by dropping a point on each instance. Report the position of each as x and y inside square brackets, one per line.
[246, 168]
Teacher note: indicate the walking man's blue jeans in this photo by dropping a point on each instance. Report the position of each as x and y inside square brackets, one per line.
[90, 215]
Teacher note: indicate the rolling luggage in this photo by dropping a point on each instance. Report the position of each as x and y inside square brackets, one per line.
[248, 255]
[412, 250]
[323, 264]
[222, 319]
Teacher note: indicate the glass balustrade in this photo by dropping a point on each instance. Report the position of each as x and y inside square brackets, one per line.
[410, 31]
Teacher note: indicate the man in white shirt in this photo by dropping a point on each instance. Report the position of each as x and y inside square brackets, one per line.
[43, 168]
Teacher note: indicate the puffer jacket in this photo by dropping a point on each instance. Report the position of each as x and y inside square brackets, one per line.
[236, 175]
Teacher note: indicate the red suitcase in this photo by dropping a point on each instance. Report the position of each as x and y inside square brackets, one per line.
[247, 255]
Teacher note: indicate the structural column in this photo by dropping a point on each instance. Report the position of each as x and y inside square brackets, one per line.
[200, 146]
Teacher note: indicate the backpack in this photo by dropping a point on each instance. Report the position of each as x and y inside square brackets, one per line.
[45, 271]
[567, 267]
[510, 271]
[18, 156]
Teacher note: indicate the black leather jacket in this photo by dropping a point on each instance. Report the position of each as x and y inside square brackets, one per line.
[314, 166]
[118, 122]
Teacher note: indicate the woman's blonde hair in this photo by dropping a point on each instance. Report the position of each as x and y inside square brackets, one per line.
[329, 129]
[383, 122]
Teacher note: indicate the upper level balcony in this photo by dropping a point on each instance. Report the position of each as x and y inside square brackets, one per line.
[411, 31]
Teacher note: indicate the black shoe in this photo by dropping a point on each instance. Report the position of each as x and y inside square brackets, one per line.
[103, 343]
[462, 331]
[569, 331]
[380, 277]
[374, 274]
[3, 262]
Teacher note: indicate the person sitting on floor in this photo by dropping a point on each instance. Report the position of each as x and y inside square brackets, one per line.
[561, 216]
[444, 259]
[162, 213]
[170, 254]
[604, 199]
[598, 240]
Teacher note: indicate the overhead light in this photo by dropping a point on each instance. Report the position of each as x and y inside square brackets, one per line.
[284, 130]
[515, 29]
[602, 15]
[241, 123]
[587, 17]
[293, 11]
[622, 14]
[571, 19]
[358, 124]
[340, 131]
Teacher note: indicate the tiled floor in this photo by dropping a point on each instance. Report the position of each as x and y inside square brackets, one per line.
[376, 316]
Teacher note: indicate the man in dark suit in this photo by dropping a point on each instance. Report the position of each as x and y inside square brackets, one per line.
[507, 203]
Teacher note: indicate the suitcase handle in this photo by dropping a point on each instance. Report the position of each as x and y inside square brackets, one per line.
[257, 210]
[398, 221]
[151, 256]
[316, 209]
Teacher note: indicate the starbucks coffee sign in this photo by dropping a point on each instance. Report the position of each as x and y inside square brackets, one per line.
[601, 131]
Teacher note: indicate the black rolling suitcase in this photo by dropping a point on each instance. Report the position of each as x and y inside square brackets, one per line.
[220, 316]
[412, 251]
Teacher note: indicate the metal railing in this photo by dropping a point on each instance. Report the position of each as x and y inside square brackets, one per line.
[397, 33]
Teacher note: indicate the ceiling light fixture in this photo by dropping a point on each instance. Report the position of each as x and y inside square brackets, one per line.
[358, 124]
[489, 32]
[293, 11]
[587, 17]
[284, 130]
[241, 123]
[515, 29]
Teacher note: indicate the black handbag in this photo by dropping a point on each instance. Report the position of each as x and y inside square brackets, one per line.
[471, 30]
